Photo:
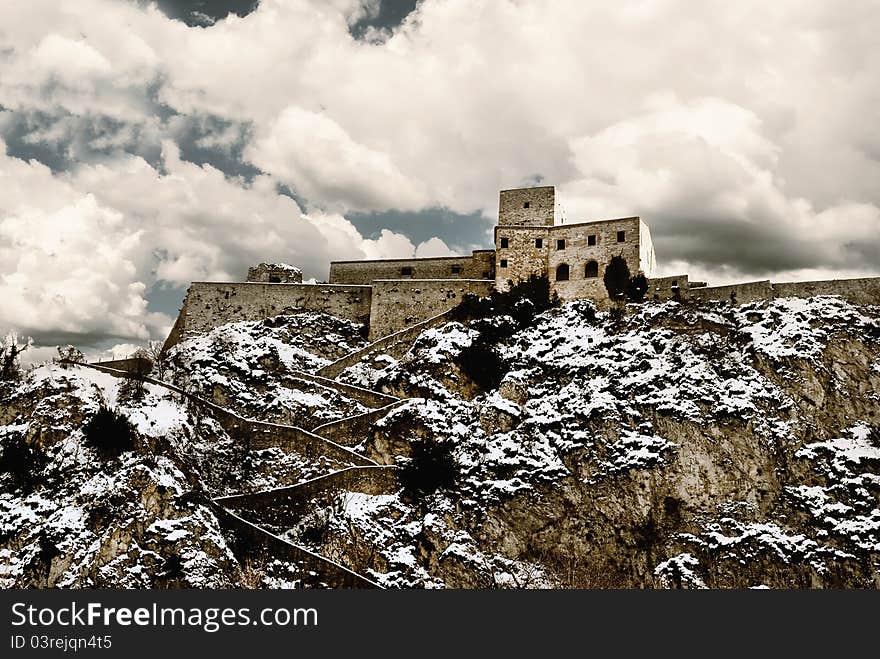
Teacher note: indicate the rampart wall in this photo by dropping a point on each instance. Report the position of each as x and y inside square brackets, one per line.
[208, 305]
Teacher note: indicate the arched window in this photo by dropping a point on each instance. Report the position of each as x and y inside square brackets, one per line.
[591, 271]
[562, 272]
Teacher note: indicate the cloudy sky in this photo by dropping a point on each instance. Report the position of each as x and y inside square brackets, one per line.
[144, 145]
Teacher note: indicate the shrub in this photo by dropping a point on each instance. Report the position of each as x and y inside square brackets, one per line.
[21, 461]
[482, 364]
[637, 288]
[522, 302]
[110, 433]
[616, 278]
[429, 468]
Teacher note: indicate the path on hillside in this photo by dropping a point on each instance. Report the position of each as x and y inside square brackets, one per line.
[363, 475]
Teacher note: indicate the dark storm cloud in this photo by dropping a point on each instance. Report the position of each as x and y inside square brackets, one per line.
[390, 14]
[456, 230]
[201, 13]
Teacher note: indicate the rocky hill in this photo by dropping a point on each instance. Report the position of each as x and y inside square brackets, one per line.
[674, 445]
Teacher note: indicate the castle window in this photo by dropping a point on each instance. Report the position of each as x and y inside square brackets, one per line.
[504, 243]
[526, 205]
[562, 272]
[456, 269]
[406, 271]
[539, 242]
[503, 263]
[591, 271]
[485, 275]
[591, 240]
[560, 244]
[675, 283]
[621, 236]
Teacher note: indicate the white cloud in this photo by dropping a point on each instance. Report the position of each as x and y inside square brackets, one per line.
[740, 131]
[316, 157]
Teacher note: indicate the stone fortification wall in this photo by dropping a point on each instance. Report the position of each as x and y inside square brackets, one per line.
[480, 265]
[860, 291]
[208, 305]
[400, 303]
[745, 292]
[666, 288]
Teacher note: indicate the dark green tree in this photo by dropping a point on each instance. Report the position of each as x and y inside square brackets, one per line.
[616, 278]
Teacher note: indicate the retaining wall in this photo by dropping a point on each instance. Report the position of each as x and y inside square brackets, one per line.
[403, 338]
[252, 536]
[366, 397]
[354, 429]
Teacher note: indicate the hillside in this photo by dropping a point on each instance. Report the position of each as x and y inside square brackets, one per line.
[676, 445]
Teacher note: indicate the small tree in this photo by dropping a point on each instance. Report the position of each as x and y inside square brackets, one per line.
[616, 278]
[134, 385]
[69, 355]
[637, 288]
[10, 351]
[156, 355]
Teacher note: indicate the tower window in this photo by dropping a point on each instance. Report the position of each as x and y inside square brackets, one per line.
[526, 204]
[504, 243]
[560, 244]
[562, 272]
[406, 271]
[456, 269]
[621, 236]
[539, 242]
[591, 270]
[591, 240]
[503, 263]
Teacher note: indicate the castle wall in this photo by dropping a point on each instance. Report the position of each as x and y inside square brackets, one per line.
[209, 305]
[858, 291]
[746, 292]
[527, 206]
[399, 303]
[664, 288]
[480, 265]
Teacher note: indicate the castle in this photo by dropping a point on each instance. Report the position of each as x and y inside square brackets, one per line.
[531, 238]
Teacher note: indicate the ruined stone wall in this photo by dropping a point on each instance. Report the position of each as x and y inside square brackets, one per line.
[527, 206]
[275, 273]
[480, 265]
[399, 303]
[209, 305]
